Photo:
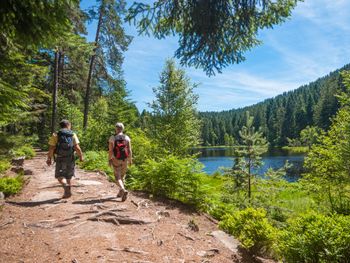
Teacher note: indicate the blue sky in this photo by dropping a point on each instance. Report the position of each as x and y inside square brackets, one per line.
[313, 42]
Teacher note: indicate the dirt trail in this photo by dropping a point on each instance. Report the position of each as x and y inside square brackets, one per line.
[39, 226]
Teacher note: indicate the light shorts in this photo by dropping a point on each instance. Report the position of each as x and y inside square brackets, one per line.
[120, 167]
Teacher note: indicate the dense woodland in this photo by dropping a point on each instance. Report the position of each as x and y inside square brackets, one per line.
[279, 118]
[49, 71]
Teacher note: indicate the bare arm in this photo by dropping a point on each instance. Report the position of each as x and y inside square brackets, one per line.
[79, 152]
[130, 154]
[110, 152]
[50, 155]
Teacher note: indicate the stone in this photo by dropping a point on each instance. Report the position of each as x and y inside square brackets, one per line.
[208, 253]
[46, 195]
[229, 242]
[2, 196]
[89, 182]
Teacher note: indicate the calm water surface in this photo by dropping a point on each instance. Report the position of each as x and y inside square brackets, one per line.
[215, 158]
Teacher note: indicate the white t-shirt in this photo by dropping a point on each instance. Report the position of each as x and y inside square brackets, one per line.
[112, 138]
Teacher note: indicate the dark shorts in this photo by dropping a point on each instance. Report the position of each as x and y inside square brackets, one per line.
[64, 167]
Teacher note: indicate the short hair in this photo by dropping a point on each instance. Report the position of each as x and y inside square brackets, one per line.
[64, 123]
[119, 125]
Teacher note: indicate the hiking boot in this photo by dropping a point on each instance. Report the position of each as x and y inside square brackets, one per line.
[125, 195]
[67, 191]
[120, 193]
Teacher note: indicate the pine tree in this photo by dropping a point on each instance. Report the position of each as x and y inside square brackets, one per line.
[174, 122]
[250, 148]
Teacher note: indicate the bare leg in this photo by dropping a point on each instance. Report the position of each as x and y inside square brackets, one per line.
[119, 181]
[67, 189]
[60, 180]
[69, 182]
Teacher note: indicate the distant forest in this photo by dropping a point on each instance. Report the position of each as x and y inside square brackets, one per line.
[281, 117]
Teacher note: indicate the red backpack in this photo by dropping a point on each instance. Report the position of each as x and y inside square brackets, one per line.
[121, 151]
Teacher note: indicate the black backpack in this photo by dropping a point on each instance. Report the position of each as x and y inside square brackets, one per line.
[121, 151]
[65, 145]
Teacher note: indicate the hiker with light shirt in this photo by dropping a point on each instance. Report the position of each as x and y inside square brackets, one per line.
[63, 144]
[120, 156]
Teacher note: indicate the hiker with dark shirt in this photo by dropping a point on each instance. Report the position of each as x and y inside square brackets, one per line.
[63, 144]
[119, 156]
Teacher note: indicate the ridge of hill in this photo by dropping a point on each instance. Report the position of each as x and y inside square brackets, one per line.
[280, 117]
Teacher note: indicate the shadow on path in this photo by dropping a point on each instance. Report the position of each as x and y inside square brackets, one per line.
[59, 186]
[94, 201]
[37, 203]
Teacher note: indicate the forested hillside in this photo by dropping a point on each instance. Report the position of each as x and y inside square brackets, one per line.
[281, 117]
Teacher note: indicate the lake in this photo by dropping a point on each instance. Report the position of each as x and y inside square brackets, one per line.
[215, 157]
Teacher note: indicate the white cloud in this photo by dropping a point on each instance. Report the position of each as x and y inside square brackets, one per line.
[312, 43]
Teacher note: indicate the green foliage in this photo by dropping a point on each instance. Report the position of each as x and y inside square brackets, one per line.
[248, 157]
[174, 123]
[232, 30]
[328, 161]
[97, 161]
[35, 23]
[25, 150]
[11, 185]
[4, 165]
[143, 147]
[171, 177]
[316, 238]
[309, 135]
[296, 149]
[251, 228]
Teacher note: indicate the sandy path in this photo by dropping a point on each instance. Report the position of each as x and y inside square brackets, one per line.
[42, 227]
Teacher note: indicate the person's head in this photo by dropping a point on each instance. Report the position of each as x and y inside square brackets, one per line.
[65, 124]
[119, 127]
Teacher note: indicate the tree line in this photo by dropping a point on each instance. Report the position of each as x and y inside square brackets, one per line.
[281, 118]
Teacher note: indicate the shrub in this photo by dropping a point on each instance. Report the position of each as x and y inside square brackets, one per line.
[4, 165]
[143, 147]
[11, 185]
[97, 161]
[316, 238]
[25, 150]
[170, 177]
[251, 227]
[218, 209]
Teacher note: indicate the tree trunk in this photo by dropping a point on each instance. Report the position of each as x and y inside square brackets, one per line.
[61, 69]
[88, 85]
[54, 92]
[249, 183]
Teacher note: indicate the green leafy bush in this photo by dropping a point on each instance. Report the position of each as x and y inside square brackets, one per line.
[218, 209]
[251, 227]
[316, 238]
[170, 177]
[4, 165]
[25, 150]
[143, 147]
[97, 161]
[11, 185]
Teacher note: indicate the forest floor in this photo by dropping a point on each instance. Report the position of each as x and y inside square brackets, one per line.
[93, 225]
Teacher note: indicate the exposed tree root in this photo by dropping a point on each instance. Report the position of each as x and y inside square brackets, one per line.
[116, 219]
[128, 249]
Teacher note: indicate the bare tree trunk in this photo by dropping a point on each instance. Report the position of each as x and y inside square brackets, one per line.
[54, 92]
[61, 69]
[249, 181]
[88, 85]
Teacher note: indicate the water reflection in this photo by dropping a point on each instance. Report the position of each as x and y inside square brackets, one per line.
[214, 158]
